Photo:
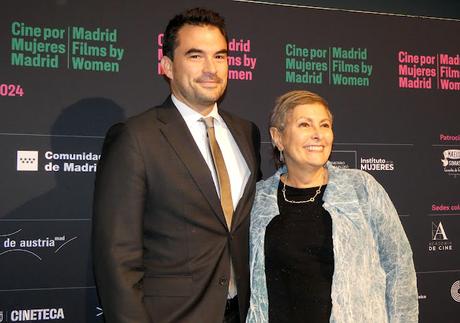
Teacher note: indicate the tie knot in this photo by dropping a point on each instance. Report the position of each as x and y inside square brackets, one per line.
[209, 122]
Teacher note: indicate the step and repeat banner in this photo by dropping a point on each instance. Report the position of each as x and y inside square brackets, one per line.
[70, 69]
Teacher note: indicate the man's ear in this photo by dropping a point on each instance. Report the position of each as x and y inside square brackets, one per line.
[167, 66]
[276, 138]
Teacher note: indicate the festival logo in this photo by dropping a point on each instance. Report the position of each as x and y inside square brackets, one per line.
[70, 47]
[336, 65]
[428, 71]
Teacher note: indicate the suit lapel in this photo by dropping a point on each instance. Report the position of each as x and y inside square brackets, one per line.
[179, 137]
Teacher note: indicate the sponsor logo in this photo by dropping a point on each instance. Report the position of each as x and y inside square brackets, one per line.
[344, 159]
[455, 291]
[340, 164]
[84, 162]
[80, 162]
[27, 161]
[37, 247]
[39, 314]
[439, 240]
[438, 232]
[377, 164]
[451, 162]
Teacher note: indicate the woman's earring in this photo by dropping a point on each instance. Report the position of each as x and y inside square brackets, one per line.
[281, 155]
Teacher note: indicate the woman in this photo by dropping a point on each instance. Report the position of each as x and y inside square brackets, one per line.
[326, 243]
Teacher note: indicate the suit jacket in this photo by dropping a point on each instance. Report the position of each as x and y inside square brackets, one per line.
[161, 245]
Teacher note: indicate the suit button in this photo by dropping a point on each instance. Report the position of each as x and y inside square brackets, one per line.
[223, 281]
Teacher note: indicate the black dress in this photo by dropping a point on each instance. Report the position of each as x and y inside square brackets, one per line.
[299, 260]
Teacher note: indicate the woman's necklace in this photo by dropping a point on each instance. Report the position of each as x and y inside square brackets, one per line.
[311, 199]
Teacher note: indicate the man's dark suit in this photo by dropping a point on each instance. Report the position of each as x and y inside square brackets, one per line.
[161, 244]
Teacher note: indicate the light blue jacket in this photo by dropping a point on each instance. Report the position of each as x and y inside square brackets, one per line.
[374, 277]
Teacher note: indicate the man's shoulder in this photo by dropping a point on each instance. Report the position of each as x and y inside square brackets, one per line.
[136, 126]
[236, 120]
[145, 117]
[233, 116]
[150, 117]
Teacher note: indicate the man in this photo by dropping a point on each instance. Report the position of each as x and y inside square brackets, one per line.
[167, 245]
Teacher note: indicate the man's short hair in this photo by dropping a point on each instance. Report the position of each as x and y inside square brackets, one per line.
[195, 17]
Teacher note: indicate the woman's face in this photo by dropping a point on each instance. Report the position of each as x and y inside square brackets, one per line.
[307, 138]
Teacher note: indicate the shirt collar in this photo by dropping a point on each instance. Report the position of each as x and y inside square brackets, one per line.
[191, 115]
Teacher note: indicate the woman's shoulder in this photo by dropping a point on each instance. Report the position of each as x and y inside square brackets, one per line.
[350, 176]
[265, 202]
[266, 185]
[356, 180]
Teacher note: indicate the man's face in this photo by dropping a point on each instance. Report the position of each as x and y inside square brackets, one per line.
[198, 73]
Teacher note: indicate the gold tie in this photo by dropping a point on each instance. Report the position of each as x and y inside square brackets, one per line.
[221, 170]
[224, 189]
